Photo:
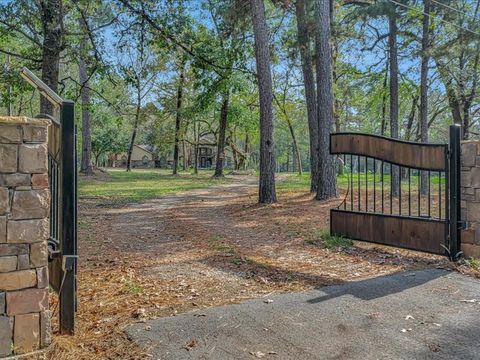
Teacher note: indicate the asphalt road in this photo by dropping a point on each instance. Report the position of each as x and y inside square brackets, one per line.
[429, 314]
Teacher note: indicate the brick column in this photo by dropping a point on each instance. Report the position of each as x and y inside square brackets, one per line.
[470, 203]
[24, 229]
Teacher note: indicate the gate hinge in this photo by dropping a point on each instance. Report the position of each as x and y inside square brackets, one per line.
[461, 224]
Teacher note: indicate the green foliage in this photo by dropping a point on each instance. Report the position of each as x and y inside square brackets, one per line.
[133, 288]
[473, 262]
[330, 241]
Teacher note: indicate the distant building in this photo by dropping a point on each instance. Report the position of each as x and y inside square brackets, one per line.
[147, 156]
[206, 157]
[142, 157]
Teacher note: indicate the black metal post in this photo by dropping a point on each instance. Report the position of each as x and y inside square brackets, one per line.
[454, 190]
[69, 218]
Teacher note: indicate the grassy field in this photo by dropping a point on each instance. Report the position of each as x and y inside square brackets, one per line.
[120, 186]
[297, 182]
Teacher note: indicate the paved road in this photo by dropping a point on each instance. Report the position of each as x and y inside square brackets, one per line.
[429, 314]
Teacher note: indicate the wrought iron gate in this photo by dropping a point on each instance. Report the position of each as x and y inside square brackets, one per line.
[62, 171]
[385, 202]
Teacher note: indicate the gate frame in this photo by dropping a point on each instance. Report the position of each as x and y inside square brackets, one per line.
[452, 221]
[63, 250]
[455, 223]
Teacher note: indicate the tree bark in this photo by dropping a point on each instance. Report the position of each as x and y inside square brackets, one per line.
[52, 19]
[178, 119]
[327, 182]
[86, 162]
[245, 149]
[384, 101]
[221, 137]
[185, 158]
[267, 192]
[424, 88]
[392, 43]
[196, 135]
[310, 91]
[135, 126]
[296, 151]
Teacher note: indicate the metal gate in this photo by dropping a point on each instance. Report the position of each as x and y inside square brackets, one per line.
[62, 174]
[385, 202]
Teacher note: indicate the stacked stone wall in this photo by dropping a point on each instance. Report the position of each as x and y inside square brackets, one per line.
[24, 228]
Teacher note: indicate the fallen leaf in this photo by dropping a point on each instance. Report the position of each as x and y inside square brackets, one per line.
[409, 317]
[258, 354]
[469, 301]
[191, 344]
[268, 301]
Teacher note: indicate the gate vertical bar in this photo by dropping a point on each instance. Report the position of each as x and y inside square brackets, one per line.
[454, 190]
[69, 219]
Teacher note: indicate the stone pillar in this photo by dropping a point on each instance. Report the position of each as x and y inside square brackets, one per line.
[24, 229]
[470, 203]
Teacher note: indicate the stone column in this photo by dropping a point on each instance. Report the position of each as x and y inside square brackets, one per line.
[24, 229]
[470, 193]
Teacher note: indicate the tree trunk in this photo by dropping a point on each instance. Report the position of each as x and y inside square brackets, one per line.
[296, 150]
[178, 119]
[221, 137]
[247, 140]
[86, 163]
[310, 92]
[134, 135]
[184, 152]
[267, 192]
[424, 89]
[392, 43]
[52, 19]
[327, 183]
[196, 135]
[384, 102]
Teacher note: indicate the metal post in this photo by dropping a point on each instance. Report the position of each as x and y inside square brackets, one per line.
[69, 221]
[454, 191]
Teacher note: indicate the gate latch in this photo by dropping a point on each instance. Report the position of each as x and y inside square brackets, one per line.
[68, 262]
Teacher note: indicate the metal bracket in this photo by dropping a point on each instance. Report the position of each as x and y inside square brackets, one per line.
[462, 224]
[68, 262]
[53, 251]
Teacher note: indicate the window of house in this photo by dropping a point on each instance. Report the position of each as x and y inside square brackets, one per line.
[145, 160]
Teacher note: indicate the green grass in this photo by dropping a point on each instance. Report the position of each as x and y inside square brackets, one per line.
[330, 241]
[473, 263]
[120, 186]
[85, 227]
[302, 182]
[134, 289]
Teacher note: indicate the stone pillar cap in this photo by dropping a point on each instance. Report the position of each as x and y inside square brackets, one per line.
[24, 120]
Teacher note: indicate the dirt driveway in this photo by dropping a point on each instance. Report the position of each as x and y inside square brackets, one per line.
[205, 248]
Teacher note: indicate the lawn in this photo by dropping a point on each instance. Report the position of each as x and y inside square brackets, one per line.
[299, 182]
[120, 186]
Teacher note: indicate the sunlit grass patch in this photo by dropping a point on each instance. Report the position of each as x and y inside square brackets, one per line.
[473, 263]
[323, 236]
[140, 184]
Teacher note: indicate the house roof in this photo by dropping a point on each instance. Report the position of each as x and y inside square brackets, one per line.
[147, 148]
